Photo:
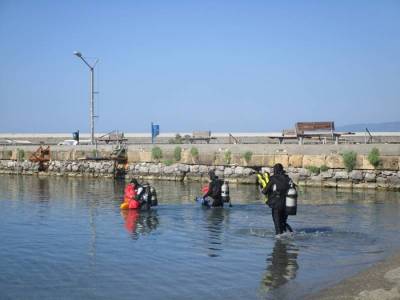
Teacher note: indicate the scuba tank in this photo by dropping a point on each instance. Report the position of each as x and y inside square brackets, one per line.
[225, 192]
[144, 196]
[291, 200]
[153, 198]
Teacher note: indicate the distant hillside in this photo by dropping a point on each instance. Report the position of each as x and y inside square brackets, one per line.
[376, 127]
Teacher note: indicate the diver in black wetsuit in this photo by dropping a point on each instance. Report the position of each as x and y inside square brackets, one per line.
[276, 190]
[214, 190]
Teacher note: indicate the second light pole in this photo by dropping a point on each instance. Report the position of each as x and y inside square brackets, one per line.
[92, 92]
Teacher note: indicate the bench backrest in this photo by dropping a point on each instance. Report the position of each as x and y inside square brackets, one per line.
[302, 127]
[116, 136]
[289, 132]
[201, 134]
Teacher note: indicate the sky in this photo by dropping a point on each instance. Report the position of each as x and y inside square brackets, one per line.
[224, 66]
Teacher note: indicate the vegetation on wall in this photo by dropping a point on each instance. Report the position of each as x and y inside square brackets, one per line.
[247, 156]
[194, 152]
[168, 162]
[227, 157]
[156, 153]
[349, 160]
[177, 153]
[314, 169]
[177, 140]
[374, 157]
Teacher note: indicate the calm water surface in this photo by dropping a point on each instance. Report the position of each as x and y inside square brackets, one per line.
[67, 239]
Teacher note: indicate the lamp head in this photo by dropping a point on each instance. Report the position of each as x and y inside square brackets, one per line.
[77, 53]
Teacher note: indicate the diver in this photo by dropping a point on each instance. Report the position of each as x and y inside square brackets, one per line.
[130, 195]
[147, 196]
[276, 190]
[138, 196]
[214, 190]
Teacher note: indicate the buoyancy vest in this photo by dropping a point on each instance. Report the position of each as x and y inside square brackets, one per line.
[130, 192]
[263, 179]
[133, 204]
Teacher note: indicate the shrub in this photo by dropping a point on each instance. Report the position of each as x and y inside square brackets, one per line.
[247, 156]
[323, 168]
[194, 152]
[374, 157]
[227, 156]
[177, 153]
[168, 162]
[177, 140]
[313, 169]
[156, 153]
[349, 160]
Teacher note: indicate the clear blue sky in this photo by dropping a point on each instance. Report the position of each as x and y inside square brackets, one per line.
[198, 65]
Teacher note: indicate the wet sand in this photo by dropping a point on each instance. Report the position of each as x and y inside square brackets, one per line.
[379, 282]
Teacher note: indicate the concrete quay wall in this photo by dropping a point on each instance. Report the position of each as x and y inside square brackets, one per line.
[262, 155]
[302, 162]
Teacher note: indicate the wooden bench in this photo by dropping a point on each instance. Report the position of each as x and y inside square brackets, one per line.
[201, 136]
[320, 130]
[113, 137]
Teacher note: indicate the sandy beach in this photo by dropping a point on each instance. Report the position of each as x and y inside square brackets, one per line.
[379, 282]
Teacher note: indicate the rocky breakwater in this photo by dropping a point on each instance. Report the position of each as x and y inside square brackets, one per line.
[339, 178]
[333, 178]
[59, 168]
[185, 172]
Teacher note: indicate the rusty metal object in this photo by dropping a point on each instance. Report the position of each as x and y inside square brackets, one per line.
[42, 154]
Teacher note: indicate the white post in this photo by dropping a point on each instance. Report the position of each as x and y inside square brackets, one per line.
[92, 105]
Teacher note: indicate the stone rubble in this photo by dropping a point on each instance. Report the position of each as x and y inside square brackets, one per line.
[184, 172]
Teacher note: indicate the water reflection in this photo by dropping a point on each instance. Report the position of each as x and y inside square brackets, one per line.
[281, 265]
[139, 222]
[215, 220]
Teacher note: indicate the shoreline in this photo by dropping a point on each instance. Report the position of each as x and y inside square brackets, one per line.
[183, 172]
[381, 281]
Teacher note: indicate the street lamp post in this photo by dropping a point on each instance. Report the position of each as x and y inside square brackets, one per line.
[92, 116]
